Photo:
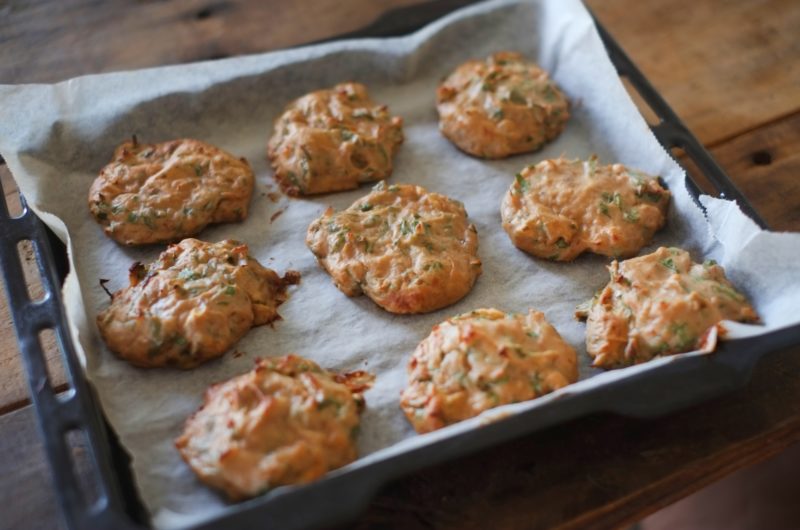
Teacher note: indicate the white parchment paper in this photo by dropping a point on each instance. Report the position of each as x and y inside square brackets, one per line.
[55, 138]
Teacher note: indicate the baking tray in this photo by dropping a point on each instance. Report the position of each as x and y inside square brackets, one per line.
[112, 502]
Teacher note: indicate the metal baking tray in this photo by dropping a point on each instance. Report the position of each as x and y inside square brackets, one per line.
[113, 502]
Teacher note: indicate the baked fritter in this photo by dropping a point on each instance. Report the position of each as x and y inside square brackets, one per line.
[333, 140]
[500, 106]
[287, 421]
[409, 250]
[157, 193]
[659, 304]
[560, 208]
[192, 304]
[484, 359]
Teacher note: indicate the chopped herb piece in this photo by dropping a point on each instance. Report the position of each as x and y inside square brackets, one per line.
[340, 241]
[230, 290]
[536, 384]
[497, 114]
[394, 188]
[727, 291]
[709, 263]
[670, 264]
[651, 196]
[132, 217]
[187, 275]
[406, 228]
[362, 113]
[603, 207]
[632, 216]
[292, 178]
[327, 402]
[516, 97]
[561, 243]
[533, 334]
[521, 183]
[366, 207]
[346, 135]
[433, 266]
[198, 170]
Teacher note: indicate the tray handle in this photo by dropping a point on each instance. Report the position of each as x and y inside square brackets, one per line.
[60, 416]
[671, 131]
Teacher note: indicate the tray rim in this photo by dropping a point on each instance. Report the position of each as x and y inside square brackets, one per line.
[115, 508]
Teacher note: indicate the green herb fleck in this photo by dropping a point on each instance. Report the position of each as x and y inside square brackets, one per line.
[362, 113]
[433, 266]
[230, 290]
[521, 183]
[727, 291]
[340, 241]
[670, 264]
[651, 196]
[632, 216]
[365, 207]
[188, 275]
[516, 97]
[561, 243]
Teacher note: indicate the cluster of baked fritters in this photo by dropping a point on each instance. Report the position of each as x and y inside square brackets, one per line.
[410, 250]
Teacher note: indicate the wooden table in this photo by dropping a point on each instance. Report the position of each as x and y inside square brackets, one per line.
[731, 70]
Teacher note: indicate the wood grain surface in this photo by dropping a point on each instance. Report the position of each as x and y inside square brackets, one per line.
[731, 70]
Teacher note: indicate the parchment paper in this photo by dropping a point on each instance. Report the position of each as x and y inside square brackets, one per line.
[55, 138]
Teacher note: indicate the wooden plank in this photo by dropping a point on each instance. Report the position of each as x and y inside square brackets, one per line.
[765, 165]
[602, 471]
[725, 67]
[52, 40]
[27, 493]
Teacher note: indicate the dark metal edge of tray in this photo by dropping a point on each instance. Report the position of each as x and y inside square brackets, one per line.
[341, 497]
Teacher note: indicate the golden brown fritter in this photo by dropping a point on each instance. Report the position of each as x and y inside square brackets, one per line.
[560, 208]
[157, 193]
[409, 250]
[192, 304]
[501, 106]
[287, 421]
[333, 140]
[659, 304]
[484, 359]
